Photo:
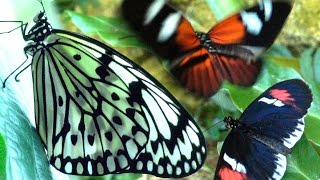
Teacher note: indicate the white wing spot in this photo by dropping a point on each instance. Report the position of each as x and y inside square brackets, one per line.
[169, 169]
[178, 171]
[203, 149]
[153, 10]
[149, 166]
[234, 164]
[79, 168]
[89, 167]
[194, 164]
[111, 164]
[123, 162]
[100, 168]
[267, 7]
[281, 166]
[275, 102]
[199, 159]
[68, 167]
[252, 21]
[57, 163]
[160, 169]
[169, 26]
[186, 167]
[139, 165]
[132, 148]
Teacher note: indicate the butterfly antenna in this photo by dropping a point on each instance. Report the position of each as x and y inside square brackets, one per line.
[40, 1]
[6, 79]
[212, 126]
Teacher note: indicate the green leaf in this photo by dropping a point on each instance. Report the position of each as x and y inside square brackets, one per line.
[270, 75]
[125, 176]
[3, 155]
[303, 162]
[310, 68]
[92, 24]
[26, 158]
[113, 31]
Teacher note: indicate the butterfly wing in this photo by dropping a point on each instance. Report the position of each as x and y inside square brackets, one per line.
[160, 25]
[242, 157]
[124, 113]
[85, 114]
[203, 73]
[279, 112]
[275, 118]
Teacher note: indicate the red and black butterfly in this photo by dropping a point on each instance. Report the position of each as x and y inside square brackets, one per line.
[201, 61]
[259, 141]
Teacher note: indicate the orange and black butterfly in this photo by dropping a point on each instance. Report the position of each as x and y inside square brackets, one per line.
[201, 61]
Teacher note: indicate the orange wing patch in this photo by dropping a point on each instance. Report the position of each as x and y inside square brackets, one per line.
[186, 38]
[228, 31]
[203, 73]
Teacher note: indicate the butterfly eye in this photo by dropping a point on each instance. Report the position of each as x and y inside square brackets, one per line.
[38, 17]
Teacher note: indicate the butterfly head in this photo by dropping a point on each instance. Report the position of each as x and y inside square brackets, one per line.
[40, 30]
[40, 16]
[230, 122]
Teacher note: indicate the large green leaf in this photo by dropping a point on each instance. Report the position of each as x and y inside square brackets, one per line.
[303, 162]
[310, 69]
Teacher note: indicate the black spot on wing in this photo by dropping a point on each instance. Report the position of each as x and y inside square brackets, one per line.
[108, 135]
[130, 113]
[102, 72]
[60, 101]
[77, 57]
[117, 120]
[91, 139]
[115, 96]
[74, 139]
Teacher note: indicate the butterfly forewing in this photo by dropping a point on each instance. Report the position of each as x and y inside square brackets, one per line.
[281, 107]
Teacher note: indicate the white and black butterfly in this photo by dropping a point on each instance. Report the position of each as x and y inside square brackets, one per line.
[99, 113]
[258, 143]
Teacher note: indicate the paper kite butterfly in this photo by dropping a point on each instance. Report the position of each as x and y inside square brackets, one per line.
[99, 113]
[201, 61]
[259, 141]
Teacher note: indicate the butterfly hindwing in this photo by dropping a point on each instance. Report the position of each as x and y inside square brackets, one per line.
[244, 158]
[267, 130]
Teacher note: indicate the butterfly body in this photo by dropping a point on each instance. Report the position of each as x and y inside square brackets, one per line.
[201, 61]
[259, 141]
[99, 113]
